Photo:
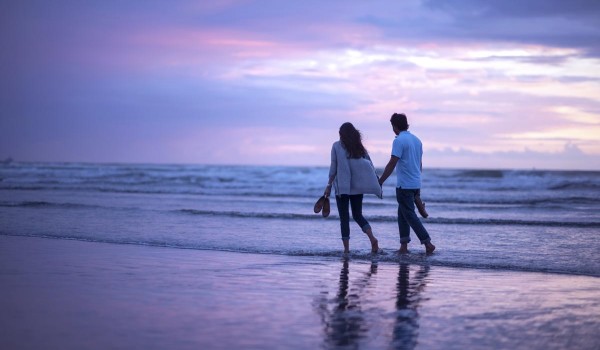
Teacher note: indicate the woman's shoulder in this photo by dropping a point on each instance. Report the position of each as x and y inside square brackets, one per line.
[339, 149]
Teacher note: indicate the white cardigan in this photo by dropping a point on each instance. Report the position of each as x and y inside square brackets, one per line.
[352, 175]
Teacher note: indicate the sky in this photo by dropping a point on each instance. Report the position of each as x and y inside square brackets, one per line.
[485, 84]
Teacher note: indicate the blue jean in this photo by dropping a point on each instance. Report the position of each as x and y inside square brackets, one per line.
[407, 218]
[355, 201]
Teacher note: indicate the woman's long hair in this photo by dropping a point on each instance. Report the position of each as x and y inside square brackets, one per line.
[351, 140]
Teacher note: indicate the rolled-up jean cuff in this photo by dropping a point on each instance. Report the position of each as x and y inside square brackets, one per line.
[426, 241]
[366, 228]
[404, 239]
[345, 238]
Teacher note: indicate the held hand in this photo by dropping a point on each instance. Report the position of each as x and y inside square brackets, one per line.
[327, 191]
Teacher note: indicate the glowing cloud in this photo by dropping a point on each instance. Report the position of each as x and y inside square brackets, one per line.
[483, 84]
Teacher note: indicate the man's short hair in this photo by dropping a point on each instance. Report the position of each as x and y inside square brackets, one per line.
[400, 121]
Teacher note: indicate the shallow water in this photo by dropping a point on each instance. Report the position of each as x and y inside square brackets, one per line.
[141, 221]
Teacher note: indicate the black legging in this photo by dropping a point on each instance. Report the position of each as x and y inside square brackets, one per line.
[355, 201]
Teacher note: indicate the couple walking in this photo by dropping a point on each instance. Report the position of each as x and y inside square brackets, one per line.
[352, 175]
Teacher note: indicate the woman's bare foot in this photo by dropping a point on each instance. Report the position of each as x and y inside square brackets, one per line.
[346, 246]
[429, 248]
[374, 246]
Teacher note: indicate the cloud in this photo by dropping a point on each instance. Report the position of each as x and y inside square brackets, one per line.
[275, 78]
[511, 9]
[571, 157]
[571, 24]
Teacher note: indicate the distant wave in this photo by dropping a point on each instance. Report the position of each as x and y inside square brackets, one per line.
[310, 216]
[595, 186]
[481, 173]
[240, 214]
[43, 204]
[60, 205]
[516, 201]
[390, 218]
[388, 256]
[136, 183]
[203, 191]
[37, 187]
[499, 173]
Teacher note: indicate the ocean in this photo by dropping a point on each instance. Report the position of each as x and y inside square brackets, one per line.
[490, 226]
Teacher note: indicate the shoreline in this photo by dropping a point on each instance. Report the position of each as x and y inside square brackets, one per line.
[416, 255]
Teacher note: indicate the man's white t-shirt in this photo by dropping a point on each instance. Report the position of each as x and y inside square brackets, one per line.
[409, 149]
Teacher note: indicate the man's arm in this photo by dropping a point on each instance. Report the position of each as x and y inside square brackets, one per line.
[389, 169]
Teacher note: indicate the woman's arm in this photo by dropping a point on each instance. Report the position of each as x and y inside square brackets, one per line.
[328, 188]
[332, 171]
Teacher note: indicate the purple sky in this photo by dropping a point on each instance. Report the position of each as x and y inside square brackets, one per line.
[485, 84]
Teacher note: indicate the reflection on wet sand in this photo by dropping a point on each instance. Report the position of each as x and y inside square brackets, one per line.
[408, 299]
[345, 324]
[351, 316]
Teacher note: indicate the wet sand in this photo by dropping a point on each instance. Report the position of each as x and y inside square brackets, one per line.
[66, 294]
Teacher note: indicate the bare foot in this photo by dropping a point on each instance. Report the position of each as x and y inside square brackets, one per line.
[429, 248]
[403, 248]
[374, 246]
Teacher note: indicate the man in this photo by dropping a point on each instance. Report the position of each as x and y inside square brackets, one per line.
[407, 153]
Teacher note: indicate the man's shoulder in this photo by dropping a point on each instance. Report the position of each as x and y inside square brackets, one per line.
[404, 136]
[411, 137]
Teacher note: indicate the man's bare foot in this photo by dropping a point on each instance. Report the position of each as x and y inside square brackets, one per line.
[374, 246]
[403, 248]
[429, 248]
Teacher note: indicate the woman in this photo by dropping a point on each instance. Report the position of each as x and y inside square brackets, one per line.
[352, 174]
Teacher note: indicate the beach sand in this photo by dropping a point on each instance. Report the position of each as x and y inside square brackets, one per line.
[67, 294]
